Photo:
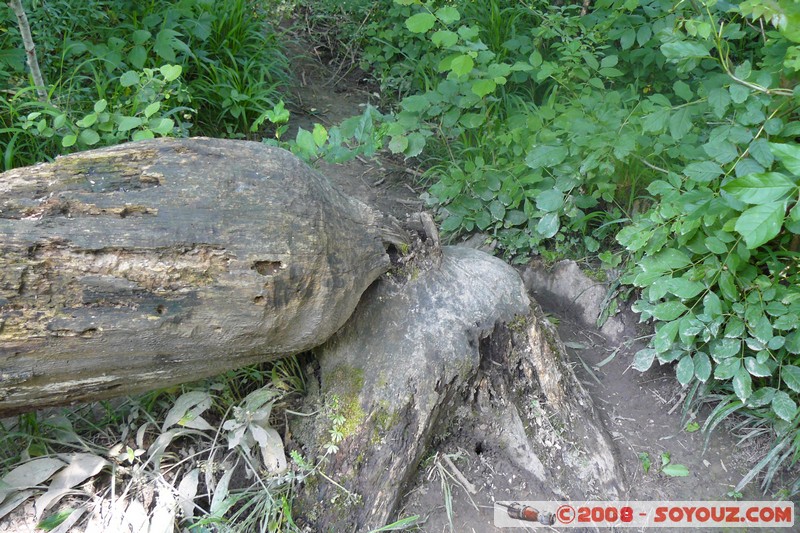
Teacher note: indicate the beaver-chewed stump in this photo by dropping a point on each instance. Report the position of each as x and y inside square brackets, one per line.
[459, 343]
[136, 267]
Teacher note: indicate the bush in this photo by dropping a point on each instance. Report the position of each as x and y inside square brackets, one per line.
[158, 68]
[671, 130]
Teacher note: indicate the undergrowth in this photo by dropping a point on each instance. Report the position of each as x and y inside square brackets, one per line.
[656, 138]
[118, 71]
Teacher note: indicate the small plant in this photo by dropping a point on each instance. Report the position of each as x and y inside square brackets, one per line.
[644, 459]
[672, 469]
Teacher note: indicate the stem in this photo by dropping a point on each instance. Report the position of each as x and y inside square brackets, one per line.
[30, 49]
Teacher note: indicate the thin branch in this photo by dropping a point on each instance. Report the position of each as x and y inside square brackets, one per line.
[30, 49]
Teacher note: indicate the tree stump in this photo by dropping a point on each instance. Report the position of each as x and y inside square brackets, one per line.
[152, 263]
[458, 343]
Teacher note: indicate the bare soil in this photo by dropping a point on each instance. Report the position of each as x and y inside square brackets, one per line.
[643, 412]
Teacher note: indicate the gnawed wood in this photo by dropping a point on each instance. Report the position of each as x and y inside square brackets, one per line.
[148, 264]
[459, 345]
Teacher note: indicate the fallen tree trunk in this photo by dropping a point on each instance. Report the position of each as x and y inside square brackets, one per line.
[457, 347]
[153, 263]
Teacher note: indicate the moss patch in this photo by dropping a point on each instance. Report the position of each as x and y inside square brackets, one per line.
[346, 384]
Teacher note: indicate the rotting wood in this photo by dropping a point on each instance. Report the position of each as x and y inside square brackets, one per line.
[153, 263]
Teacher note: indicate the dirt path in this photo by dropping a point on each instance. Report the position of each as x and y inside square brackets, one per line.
[642, 411]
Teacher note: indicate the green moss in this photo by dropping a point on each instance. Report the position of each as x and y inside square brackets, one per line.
[519, 324]
[346, 383]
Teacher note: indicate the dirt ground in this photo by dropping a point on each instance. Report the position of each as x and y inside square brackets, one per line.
[642, 412]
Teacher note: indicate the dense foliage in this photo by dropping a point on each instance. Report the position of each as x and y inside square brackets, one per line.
[119, 70]
[658, 138]
[669, 128]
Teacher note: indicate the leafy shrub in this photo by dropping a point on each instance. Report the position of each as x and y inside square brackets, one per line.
[117, 52]
[671, 129]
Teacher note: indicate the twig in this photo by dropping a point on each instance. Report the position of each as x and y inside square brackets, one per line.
[30, 49]
[457, 473]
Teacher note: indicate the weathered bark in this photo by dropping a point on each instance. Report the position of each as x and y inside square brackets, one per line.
[460, 343]
[152, 263]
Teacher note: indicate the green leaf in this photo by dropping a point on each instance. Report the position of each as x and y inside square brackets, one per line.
[140, 135]
[789, 155]
[398, 144]
[55, 520]
[727, 285]
[416, 142]
[685, 288]
[448, 14]
[472, 120]
[69, 140]
[162, 126]
[643, 359]
[702, 366]
[719, 99]
[320, 134]
[759, 370]
[792, 343]
[685, 370]
[415, 103]
[683, 90]
[669, 310]
[633, 237]
[722, 349]
[128, 123]
[137, 56]
[680, 123]
[760, 188]
[784, 406]
[166, 44]
[683, 50]
[666, 260]
[715, 245]
[728, 368]
[644, 34]
[140, 36]
[703, 172]
[129, 78]
[761, 223]
[760, 151]
[550, 200]
[546, 156]
[627, 39]
[791, 376]
[305, 143]
[462, 65]
[451, 223]
[89, 137]
[99, 106]
[739, 93]
[151, 109]
[665, 336]
[712, 305]
[444, 38]
[170, 72]
[656, 121]
[87, 121]
[742, 384]
[483, 87]
[548, 225]
[420, 23]
[497, 209]
[675, 470]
